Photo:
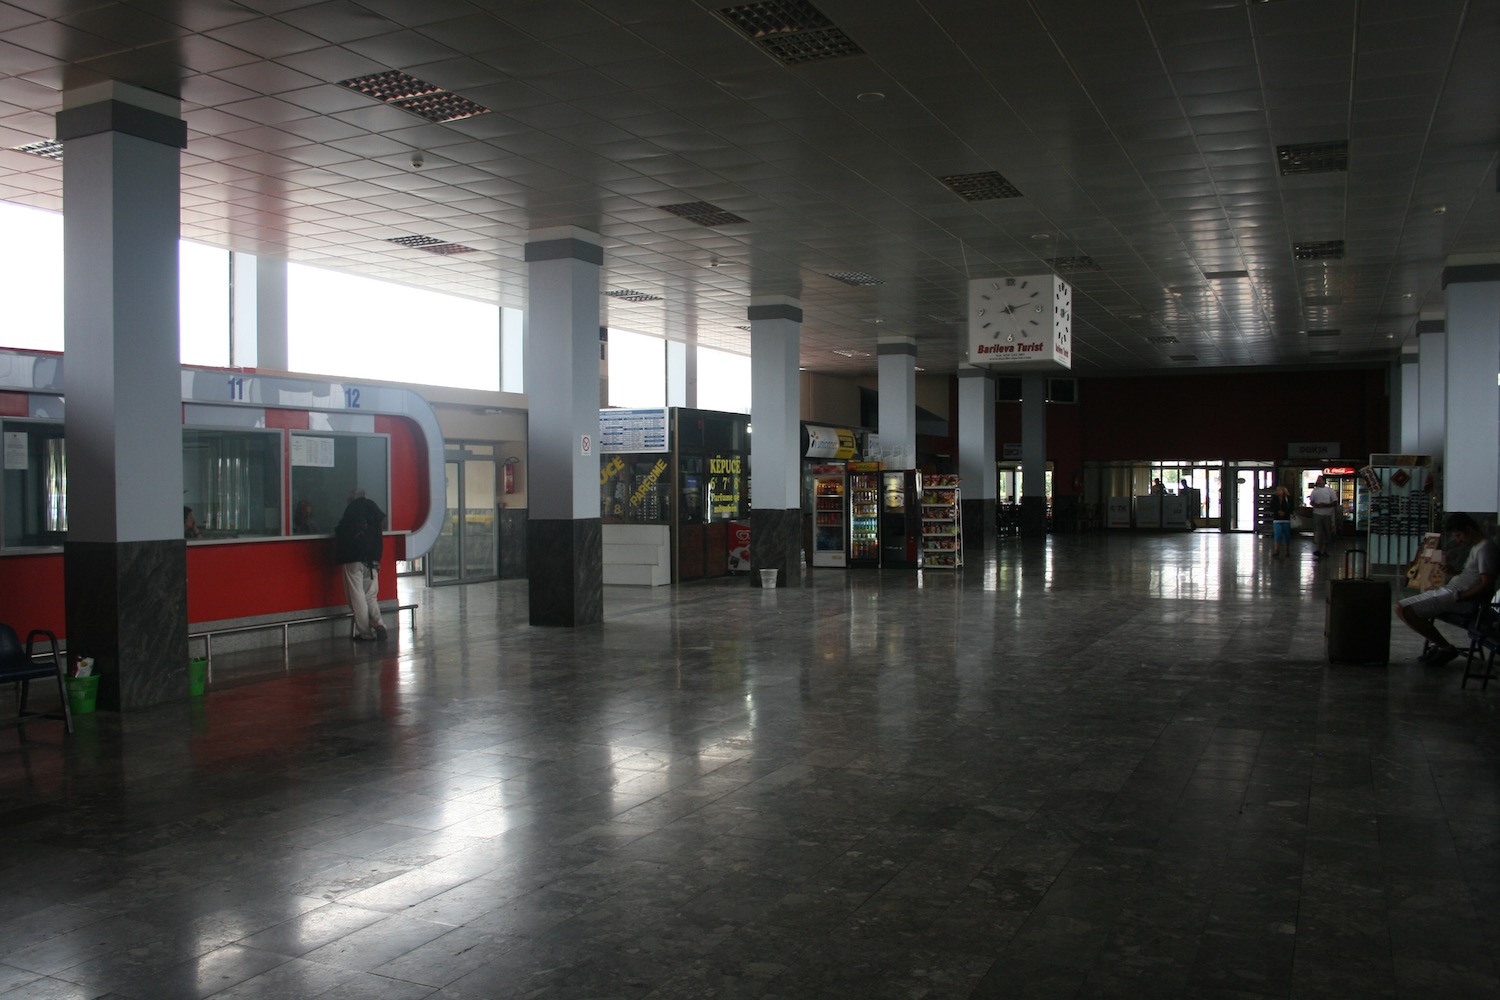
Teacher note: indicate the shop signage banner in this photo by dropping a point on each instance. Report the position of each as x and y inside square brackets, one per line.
[1021, 324]
[829, 442]
[1315, 451]
[632, 431]
[1119, 512]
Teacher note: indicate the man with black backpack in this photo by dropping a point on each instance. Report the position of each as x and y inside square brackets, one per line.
[356, 548]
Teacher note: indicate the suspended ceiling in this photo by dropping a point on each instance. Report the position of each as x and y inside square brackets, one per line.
[1139, 148]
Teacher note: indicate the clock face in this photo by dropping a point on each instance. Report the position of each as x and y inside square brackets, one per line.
[1010, 309]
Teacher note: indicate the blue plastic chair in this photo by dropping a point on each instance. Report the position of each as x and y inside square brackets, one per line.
[22, 665]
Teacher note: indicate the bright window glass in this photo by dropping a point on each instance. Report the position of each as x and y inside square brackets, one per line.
[724, 380]
[637, 369]
[362, 328]
[31, 278]
[203, 304]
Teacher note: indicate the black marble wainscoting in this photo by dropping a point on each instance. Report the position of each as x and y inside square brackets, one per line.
[127, 608]
[513, 543]
[979, 523]
[565, 571]
[1033, 517]
[776, 543]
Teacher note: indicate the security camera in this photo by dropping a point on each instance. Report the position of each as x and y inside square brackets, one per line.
[417, 161]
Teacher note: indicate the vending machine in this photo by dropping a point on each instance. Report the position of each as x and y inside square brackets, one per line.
[864, 513]
[900, 519]
[829, 530]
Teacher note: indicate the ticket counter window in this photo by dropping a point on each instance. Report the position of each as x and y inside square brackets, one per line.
[325, 467]
[232, 480]
[35, 484]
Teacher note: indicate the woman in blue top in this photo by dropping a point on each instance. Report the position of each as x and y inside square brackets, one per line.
[1282, 506]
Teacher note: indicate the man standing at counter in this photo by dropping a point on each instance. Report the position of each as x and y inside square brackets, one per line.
[356, 548]
[1325, 508]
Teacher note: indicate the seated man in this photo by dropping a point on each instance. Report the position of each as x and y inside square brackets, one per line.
[1464, 593]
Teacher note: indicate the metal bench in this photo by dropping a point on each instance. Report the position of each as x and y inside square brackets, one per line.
[285, 625]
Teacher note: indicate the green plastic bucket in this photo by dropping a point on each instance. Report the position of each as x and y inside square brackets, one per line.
[83, 693]
[197, 677]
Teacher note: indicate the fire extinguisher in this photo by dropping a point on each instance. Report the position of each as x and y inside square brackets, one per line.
[509, 477]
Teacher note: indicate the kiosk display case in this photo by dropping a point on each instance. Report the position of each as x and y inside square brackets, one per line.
[942, 523]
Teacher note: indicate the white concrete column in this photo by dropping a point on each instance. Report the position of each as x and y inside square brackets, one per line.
[775, 416]
[258, 312]
[565, 555]
[1432, 392]
[897, 405]
[682, 374]
[1471, 473]
[1406, 440]
[124, 560]
[1034, 454]
[978, 479]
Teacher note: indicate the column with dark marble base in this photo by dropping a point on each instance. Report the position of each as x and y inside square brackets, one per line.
[127, 608]
[979, 524]
[1033, 517]
[776, 543]
[565, 571]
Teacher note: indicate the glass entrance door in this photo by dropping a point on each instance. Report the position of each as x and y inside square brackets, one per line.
[466, 550]
[1245, 495]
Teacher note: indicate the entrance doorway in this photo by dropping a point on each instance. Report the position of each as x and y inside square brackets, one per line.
[466, 551]
[1246, 491]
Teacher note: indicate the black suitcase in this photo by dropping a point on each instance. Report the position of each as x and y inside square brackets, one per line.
[1358, 628]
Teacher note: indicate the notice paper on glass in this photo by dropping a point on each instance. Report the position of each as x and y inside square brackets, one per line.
[15, 450]
[312, 452]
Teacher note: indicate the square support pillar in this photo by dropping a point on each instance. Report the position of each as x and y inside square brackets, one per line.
[775, 414]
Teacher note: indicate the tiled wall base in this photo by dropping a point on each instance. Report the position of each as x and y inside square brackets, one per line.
[565, 570]
[776, 543]
[127, 608]
[979, 523]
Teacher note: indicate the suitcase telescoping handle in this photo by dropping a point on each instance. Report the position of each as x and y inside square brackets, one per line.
[1349, 560]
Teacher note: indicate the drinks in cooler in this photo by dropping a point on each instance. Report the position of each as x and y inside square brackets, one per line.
[864, 519]
[829, 525]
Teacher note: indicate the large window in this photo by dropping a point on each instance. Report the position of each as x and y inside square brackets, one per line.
[637, 369]
[326, 467]
[35, 483]
[343, 324]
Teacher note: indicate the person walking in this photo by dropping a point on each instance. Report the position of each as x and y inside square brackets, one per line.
[1282, 505]
[356, 548]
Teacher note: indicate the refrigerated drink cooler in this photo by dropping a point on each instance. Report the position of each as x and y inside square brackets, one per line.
[864, 518]
[829, 524]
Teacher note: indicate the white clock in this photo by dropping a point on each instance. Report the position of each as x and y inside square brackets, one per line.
[1010, 309]
[1024, 322]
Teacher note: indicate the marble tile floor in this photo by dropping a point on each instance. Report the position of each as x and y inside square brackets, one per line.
[1096, 766]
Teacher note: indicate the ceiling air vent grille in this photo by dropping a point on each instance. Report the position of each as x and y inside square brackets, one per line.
[423, 99]
[703, 213]
[431, 245]
[858, 279]
[987, 186]
[1161, 340]
[631, 295]
[1225, 275]
[1077, 263]
[1319, 250]
[1323, 333]
[793, 31]
[50, 148]
[1183, 357]
[845, 352]
[1313, 158]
